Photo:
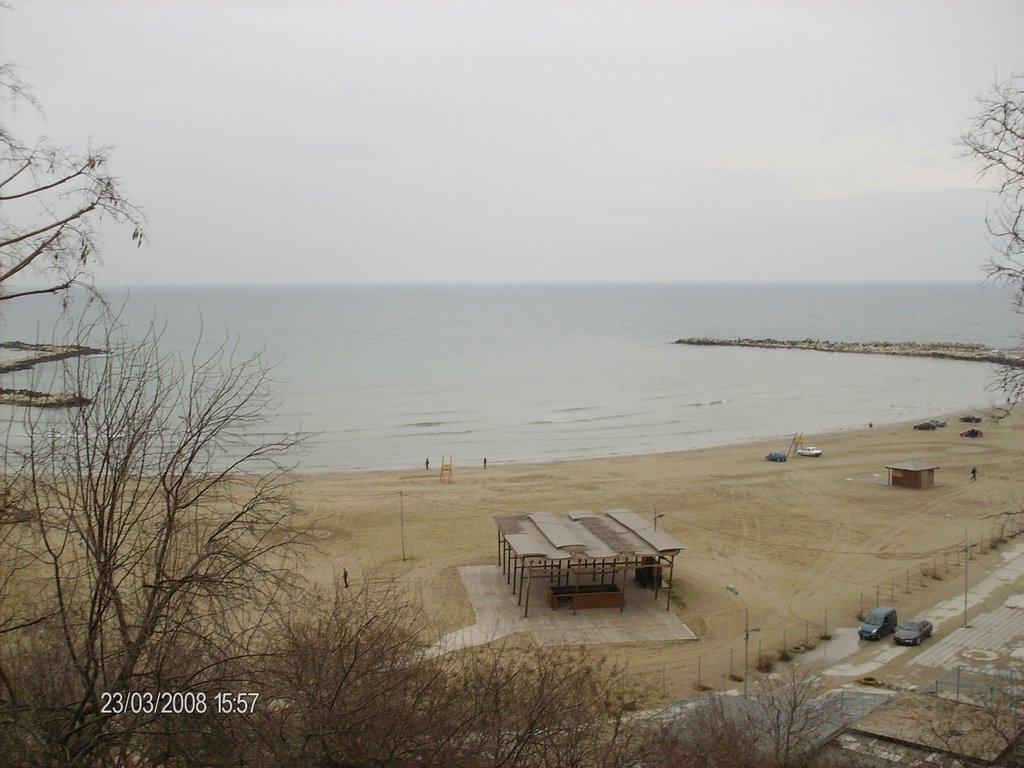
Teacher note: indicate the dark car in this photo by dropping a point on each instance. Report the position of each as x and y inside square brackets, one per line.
[879, 623]
[937, 422]
[972, 432]
[912, 632]
[925, 425]
[776, 456]
[971, 419]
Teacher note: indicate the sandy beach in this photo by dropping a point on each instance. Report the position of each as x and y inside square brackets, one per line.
[808, 543]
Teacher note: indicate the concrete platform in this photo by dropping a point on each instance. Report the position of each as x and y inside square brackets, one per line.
[498, 613]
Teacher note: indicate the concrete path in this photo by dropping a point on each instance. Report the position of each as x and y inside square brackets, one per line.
[996, 635]
[990, 636]
[498, 613]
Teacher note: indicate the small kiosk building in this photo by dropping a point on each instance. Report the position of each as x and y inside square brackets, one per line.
[912, 474]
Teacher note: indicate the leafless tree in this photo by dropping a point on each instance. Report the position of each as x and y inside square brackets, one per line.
[709, 733]
[355, 683]
[52, 205]
[968, 731]
[786, 717]
[995, 139]
[347, 682]
[144, 543]
[779, 725]
[555, 706]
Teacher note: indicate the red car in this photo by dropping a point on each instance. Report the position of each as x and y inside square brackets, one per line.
[971, 433]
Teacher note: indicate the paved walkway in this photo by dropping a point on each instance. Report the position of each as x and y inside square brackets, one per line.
[498, 613]
[996, 636]
[991, 635]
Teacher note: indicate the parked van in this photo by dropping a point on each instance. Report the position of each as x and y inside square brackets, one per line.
[879, 623]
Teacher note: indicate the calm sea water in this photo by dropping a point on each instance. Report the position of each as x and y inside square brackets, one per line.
[387, 376]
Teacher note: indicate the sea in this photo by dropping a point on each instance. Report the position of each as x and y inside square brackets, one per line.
[389, 376]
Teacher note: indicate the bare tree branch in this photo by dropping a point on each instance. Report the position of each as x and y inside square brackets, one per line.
[156, 535]
[995, 139]
[54, 202]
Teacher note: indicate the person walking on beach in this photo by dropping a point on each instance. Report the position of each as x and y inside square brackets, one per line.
[485, 462]
[427, 463]
[974, 473]
[344, 577]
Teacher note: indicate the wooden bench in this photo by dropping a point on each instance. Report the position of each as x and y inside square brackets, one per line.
[586, 596]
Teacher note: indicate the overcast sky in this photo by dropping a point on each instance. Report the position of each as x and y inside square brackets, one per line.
[423, 141]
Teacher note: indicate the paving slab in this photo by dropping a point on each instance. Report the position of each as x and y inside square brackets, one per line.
[499, 613]
[990, 636]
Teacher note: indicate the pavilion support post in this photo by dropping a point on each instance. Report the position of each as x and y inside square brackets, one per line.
[671, 569]
[522, 573]
[576, 591]
[625, 564]
[501, 550]
[529, 585]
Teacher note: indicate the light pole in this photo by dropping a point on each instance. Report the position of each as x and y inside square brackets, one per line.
[656, 516]
[746, 636]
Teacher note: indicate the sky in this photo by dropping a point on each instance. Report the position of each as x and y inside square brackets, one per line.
[316, 141]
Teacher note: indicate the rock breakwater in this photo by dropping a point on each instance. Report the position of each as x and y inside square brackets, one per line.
[943, 350]
[39, 354]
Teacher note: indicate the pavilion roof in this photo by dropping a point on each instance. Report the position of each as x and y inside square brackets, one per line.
[585, 534]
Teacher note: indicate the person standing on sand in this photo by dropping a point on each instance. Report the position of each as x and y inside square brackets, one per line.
[485, 462]
[427, 463]
[344, 577]
[974, 473]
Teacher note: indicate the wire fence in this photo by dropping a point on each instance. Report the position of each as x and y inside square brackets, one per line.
[980, 685]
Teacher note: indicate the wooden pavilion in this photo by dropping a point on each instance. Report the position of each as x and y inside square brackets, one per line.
[585, 556]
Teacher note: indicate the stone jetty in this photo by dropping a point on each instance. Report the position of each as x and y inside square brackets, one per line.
[42, 353]
[944, 350]
[32, 399]
[38, 354]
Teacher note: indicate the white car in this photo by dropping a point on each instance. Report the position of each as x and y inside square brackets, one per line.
[809, 450]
